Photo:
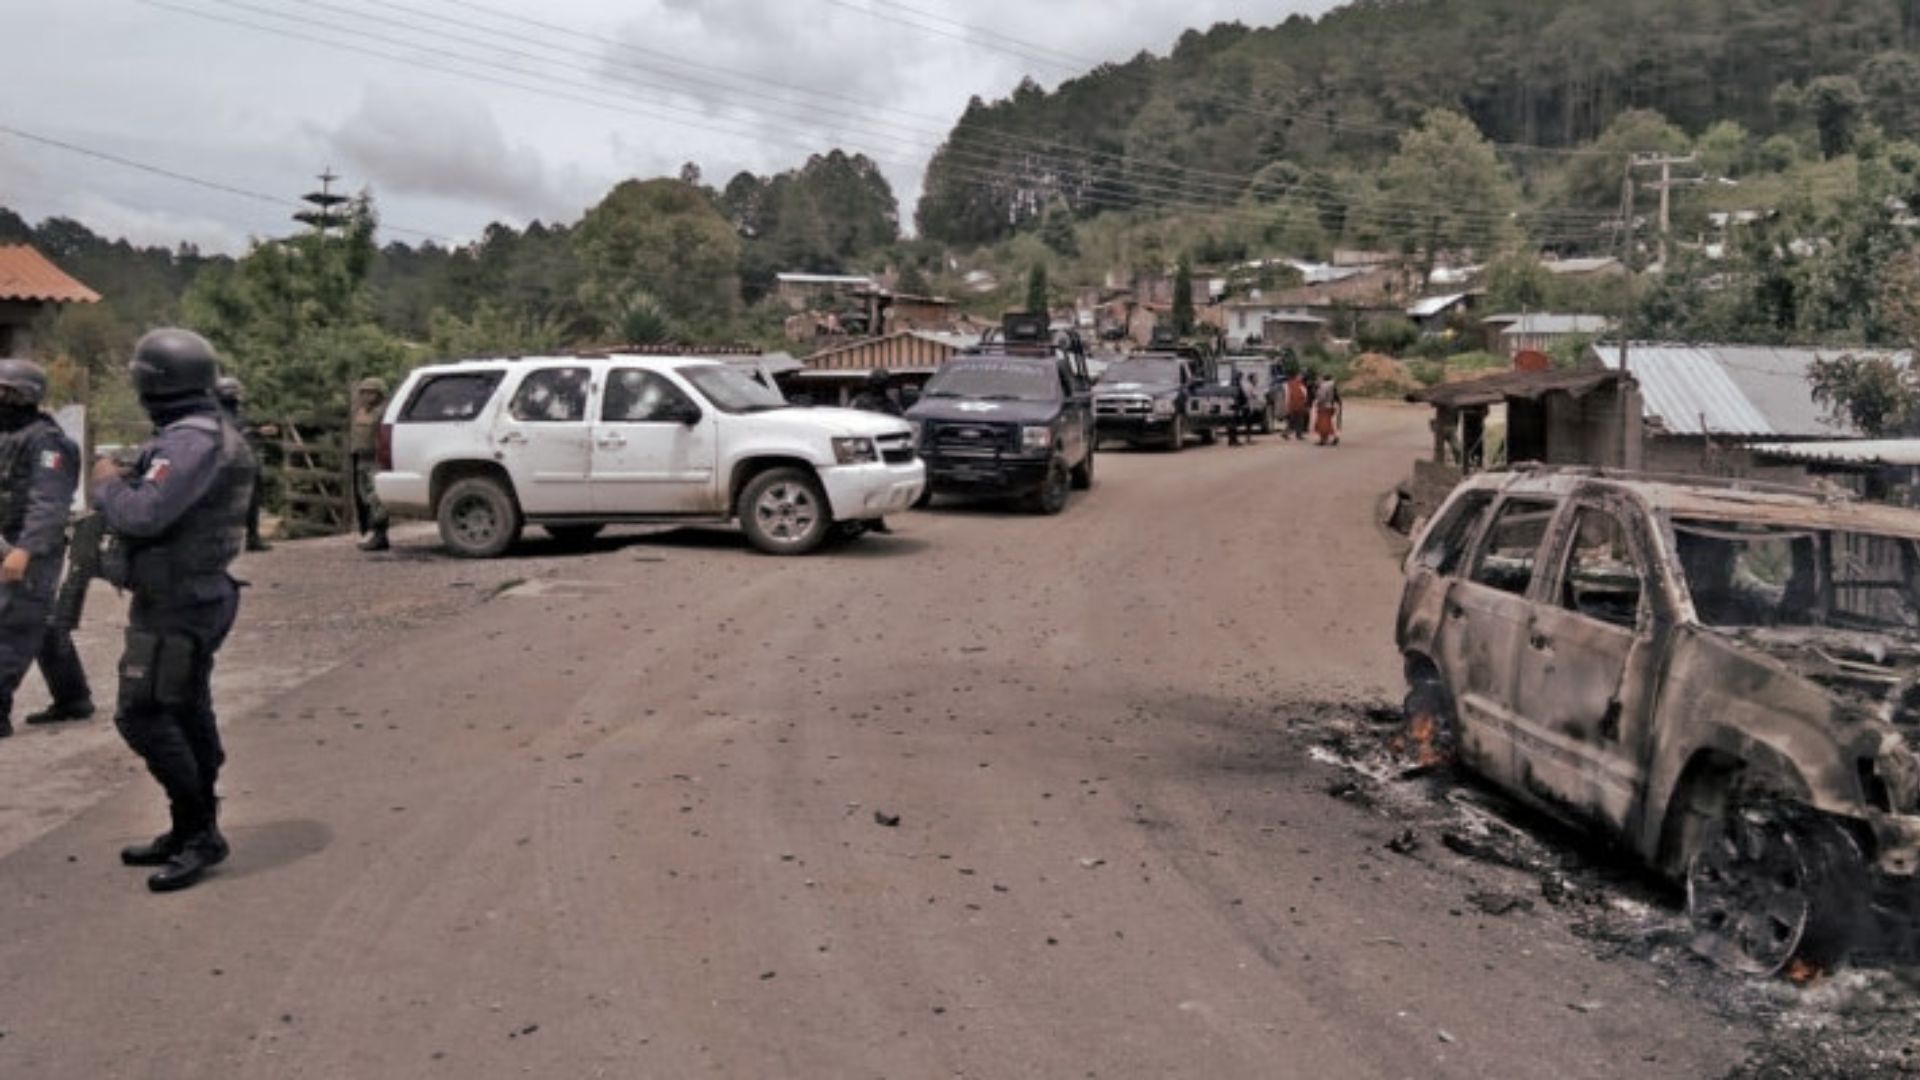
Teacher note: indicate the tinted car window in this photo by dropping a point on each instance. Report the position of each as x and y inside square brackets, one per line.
[1602, 580]
[552, 396]
[1512, 547]
[1446, 546]
[449, 398]
[1144, 372]
[995, 380]
[635, 396]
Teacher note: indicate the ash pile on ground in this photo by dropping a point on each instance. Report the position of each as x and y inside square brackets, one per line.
[1857, 1021]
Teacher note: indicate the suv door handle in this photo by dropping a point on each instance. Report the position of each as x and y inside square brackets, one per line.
[513, 438]
[1539, 641]
[612, 442]
[1454, 610]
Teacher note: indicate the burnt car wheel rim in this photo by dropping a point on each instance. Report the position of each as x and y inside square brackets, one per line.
[786, 512]
[1749, 893]
[474, 521]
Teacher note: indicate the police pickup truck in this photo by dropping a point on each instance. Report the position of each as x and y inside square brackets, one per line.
[1142, 400]
[1011, 417]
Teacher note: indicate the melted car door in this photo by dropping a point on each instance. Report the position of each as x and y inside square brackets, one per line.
[1483, 632]
[654, 449]
[1583, 688]
[542, 439]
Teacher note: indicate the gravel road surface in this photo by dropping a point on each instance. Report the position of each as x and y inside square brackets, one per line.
[633, 813]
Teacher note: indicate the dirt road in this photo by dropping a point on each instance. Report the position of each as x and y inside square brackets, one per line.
[616, 815]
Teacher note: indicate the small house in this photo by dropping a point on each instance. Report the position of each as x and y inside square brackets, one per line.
[31, 286]
[1541, 332]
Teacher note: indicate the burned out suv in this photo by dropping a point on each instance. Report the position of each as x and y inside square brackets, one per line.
[1724, 679]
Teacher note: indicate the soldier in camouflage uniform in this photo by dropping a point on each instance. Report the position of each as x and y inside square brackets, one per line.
[369, 404]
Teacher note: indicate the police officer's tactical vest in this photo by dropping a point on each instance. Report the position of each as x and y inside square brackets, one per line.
[16, 472]
[196, 551]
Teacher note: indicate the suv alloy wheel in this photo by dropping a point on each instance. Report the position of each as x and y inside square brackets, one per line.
[479, 518]
[784, 512]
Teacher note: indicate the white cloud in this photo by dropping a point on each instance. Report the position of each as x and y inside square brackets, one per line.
[427, 141]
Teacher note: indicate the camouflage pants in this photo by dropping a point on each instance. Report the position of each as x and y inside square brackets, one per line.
[366, 501]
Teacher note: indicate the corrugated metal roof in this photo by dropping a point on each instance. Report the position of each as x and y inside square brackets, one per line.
[1433, 305]
[1903, 452]
[25, 274]
[1509, 385]
[822, 279]
[1743, 391]
[907, 350]
[1547, 323]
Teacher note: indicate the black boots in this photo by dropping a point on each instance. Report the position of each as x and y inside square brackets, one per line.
[63, 711]
[195, 857]
[375, 540]
[158, 853]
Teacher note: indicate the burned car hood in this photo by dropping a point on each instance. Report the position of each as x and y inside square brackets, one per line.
[976, 411]
[1877, 671]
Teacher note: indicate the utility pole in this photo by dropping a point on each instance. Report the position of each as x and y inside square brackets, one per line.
[1626, 259]
[1666, 184]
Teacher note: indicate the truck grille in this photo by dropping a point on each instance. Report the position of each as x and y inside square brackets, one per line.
[1131, 405]
[970, 438]
[896, 449]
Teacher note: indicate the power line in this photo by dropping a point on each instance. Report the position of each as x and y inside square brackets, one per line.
[285, 202]
[1224, 192]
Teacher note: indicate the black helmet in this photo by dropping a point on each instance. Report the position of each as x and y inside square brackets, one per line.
[879, 378]
[229, 390]
[172, 363]
[24, 380]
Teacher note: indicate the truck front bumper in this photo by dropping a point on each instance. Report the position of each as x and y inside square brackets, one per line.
[870, 492]
[1133, 427]
[984, 475]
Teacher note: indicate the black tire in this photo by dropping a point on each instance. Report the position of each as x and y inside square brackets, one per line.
[573, 535]
[785, 512]
[1054, 491]
[1208, 436]
[479, 518]
[1083, 473]
[1177, 435]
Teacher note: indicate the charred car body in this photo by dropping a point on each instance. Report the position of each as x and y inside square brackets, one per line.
[1012, 417]
[1723, 679]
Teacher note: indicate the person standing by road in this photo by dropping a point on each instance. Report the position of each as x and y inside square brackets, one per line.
[363, 436]
[880, 395]
[39, 470]
[232, 395]
[179, 518]
[1242, 410]
[1299, 406]
[1329, 414]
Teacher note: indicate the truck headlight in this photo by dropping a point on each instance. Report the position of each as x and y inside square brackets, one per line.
[855, 451]
[1164, 406]
[1035, 439]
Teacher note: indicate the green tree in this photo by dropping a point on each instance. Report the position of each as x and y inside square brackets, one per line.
[913, 281]
[1518, 283]
[1594, 179]
[1039, 301]
[1448, 190]
[1874, 393]
[666, 240]
[1723, 149]
[1184, 319]
[1835, 104]
[295, 320]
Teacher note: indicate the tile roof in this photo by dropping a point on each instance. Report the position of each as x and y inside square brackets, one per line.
[25, 274]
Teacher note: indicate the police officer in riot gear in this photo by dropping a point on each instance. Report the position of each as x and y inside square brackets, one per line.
[39, 470]
[363, 433]
[179, 518]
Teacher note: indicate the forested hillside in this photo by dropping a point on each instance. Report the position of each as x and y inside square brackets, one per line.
[1323, 100]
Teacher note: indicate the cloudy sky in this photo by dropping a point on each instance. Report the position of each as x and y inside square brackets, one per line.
[461, 112]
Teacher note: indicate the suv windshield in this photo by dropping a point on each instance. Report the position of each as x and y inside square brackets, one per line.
[995, 380]
[1145, 372]
[1747, 575]
[732, 390]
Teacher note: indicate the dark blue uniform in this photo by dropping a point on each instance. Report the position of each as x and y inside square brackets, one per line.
[39, 470]
[180, 519]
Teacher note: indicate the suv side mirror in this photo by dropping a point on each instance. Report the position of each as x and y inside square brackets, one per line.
[909, 396]
[684, 412]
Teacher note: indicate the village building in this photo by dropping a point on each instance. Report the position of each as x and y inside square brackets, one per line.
[1542, 332]
[32, 286]
[1432, 314]
[833, 376]
[820, 292]
[1293, 330]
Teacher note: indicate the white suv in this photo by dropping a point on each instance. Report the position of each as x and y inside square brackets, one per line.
[573, 443]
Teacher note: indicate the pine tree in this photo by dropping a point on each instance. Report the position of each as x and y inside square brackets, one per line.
[1037, 292]
[1183, 316]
